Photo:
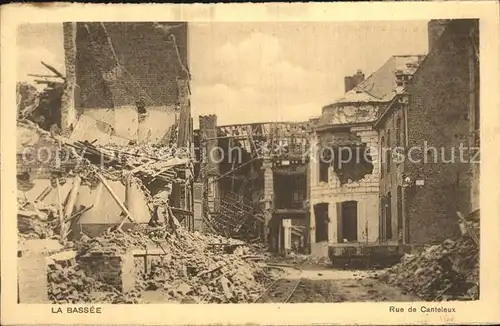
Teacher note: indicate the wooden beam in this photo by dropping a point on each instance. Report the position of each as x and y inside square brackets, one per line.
[60, 210]
[72, 197]
[43, 76]
[117, 200]
[54, 70]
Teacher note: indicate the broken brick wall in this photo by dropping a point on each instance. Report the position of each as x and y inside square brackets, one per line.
[70, 96]
[438, 114]
[118, 65]
[208, 141]
[268, 198]
[209, 166]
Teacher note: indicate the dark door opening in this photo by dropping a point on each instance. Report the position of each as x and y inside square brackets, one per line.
[400, 214]
[388, 217]
[384, 223]
[348, 228]
[382, 220]
[321, 218]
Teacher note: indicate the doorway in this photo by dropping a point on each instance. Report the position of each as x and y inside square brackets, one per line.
[400, 215]
[348, 221]
[321, 216]
[388, 217]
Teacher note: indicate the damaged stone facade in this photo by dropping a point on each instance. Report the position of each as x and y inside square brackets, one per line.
[345, 198]
[332, 193]
[425, 197]
[350, 113]
[115, 70]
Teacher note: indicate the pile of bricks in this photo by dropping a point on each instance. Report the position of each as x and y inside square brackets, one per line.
[199, 268]
[449, 271]
[187, 266]
[191, 267]
[72, 285]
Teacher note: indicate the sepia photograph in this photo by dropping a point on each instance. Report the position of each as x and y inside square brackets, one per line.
[248, 162]
[235, 164]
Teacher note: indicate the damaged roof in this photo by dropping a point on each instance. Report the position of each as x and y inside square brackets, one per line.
[381, 85]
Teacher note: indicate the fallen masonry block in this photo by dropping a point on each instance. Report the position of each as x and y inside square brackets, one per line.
[64, 259]
[32, 279]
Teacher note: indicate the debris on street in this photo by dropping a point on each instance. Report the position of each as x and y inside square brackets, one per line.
[448, 271]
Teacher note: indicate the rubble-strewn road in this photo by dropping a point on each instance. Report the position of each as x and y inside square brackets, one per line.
[330, 285]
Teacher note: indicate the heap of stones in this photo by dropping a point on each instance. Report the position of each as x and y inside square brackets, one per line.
[449, 271]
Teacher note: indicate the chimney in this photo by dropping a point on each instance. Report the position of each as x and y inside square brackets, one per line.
[358, 78]
[435, 27]
[352, 81]
[348, 83]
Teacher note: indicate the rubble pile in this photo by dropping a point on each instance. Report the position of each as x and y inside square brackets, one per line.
[71, 285]
[152, 168]
[192, 267]
[35, 220]
[143, 160]
[41, 107]
[184, 266]
[28, 99]
[197, 268]
[449, 271]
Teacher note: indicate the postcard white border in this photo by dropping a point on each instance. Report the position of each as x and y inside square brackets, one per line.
[483, 311]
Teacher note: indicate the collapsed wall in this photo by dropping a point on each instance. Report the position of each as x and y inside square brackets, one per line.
[132, 77]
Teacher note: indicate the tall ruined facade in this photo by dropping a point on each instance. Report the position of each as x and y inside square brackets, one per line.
[131, 77]
[128, 83]
[254, 181]
[345, 160]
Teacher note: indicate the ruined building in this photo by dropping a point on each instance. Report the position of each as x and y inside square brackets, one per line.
[254, 181]
[127, 81]
[438, 113]
[345, 166]
[126, 88]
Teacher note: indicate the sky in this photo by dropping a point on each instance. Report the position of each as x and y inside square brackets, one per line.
[259, 72]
